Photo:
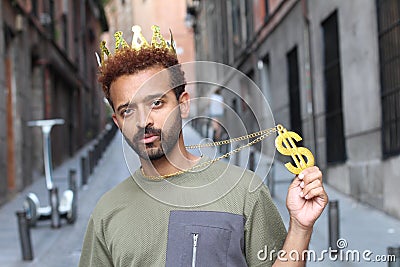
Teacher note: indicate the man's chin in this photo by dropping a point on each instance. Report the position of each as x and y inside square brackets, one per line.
[152, 155]
[155, 157]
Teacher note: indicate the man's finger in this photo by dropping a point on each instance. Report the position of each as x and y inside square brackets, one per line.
[310, 174]
[316, 192]
[311, 186]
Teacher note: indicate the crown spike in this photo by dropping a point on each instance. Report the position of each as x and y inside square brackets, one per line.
[120, 42]
[158, 40]
[98, 59]
[104, 51]
[138, 40]
[172, 44]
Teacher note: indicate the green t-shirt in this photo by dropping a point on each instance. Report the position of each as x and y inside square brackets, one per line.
[221, 215]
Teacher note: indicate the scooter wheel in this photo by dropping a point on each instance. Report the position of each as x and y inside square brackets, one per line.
[31, 206]
[72, 214]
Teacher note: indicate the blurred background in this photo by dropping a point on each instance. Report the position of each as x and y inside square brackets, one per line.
[329, 70]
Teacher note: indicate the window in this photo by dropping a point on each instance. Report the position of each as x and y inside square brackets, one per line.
[335, 142]
[52, 20]
[389, 54]
[65, 31]
[241, 19]
[34, 8]
[236, 25]
[248, 20]
[76, 31]
[266, 9]
[294, 91]
[264, 67]
[224, 35]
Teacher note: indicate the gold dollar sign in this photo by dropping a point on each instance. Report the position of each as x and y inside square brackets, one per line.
[285, 144]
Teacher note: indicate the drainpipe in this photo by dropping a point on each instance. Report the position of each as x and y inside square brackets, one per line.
[11, 167]
[309, 81]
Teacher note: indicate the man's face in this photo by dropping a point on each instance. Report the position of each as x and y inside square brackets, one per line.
[147, 112]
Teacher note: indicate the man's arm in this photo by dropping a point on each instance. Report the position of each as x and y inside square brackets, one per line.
[94, 250]
[265, 232]
[305, 201]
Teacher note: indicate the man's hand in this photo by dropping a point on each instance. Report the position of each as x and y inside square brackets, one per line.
[306, 198]
[305, 201]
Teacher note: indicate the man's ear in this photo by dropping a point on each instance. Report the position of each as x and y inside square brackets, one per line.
[114, 117]
[184, 104]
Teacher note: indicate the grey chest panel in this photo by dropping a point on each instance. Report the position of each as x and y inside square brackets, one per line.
[205, 238]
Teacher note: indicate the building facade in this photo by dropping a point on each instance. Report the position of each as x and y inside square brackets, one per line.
[330, 71]
[122, 15]
[47, 70]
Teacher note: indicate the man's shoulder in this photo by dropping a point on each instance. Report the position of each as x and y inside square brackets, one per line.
[231, 170]
[244, 179]
[115, 198]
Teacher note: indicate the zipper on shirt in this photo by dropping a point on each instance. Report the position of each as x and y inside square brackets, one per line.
[195, 237]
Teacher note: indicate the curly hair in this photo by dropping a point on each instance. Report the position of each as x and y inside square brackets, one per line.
[129, 61]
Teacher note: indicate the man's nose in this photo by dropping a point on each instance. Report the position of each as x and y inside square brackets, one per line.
[143, 118]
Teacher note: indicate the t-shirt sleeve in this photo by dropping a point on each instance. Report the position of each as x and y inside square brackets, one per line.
[94, 249]
[265, 232]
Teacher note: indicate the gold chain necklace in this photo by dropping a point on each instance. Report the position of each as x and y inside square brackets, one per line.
[261, 135]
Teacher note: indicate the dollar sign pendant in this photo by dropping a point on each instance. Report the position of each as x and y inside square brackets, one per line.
[285, 144]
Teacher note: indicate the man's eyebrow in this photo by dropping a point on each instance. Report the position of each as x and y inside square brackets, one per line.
[123, 106]
[150, 97]
[146, 98]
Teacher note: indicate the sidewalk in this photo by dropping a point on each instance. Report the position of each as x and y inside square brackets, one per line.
[60, 247]
[361, 226]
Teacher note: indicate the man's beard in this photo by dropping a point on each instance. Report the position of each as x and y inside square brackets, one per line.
[166, 140]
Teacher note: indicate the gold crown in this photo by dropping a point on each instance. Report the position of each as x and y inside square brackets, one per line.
[138, 42]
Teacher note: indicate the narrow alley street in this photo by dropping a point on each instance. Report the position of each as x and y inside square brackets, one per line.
[61, 247]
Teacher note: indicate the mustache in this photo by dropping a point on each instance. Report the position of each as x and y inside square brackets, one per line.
[147, 130]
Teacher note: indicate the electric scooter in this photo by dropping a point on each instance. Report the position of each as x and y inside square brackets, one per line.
[67, 207]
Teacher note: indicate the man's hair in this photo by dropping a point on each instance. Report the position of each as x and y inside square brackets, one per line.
[130, 61]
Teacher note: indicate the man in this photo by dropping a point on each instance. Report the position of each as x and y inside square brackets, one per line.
[205, 224]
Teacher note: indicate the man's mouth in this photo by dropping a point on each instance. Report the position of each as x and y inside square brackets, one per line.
[149, 138]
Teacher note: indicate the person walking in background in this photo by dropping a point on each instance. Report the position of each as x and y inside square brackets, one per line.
[216, 112]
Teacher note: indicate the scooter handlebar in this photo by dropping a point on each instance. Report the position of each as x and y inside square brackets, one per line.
[46, 122]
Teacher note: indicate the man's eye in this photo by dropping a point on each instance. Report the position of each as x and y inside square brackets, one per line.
[127, 112]
[156, 103]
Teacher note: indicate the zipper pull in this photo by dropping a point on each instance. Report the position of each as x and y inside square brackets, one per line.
[195, 237]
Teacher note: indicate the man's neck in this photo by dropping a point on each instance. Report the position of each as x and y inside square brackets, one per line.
[178, 159]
